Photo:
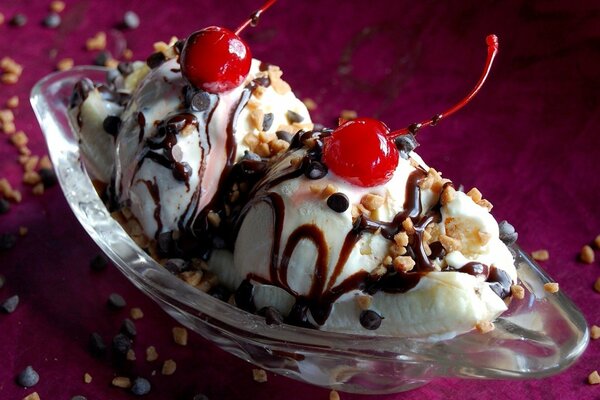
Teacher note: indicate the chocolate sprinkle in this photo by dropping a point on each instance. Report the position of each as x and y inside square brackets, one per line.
[370, 319]
[9, 305]
[52, 20]
[121, 344]
[4, 206]
[111, 125]
[284, 135]
[18, 20]
[156, 60]
[96, 345]
[116, 301]
[267, 121]
[293, 117]
[315, 170]
[48, 177]
[28, 377]
[98, 263]
[508, 234]
[128, 328]
[7, 241]
[338, 202]
[140, 387]
[102, 58]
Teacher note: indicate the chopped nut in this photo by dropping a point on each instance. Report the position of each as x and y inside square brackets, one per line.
[10, 66]
[65, 64]
[484, 326]
[1, 18]
[348, 115]
[251, 140]
[484, 237]
[127, 54]
[256, 117]
[45, 163]
[485, 204]
[517, 291]
[32, 396]
[31, 178]
[180, 335]
[595, 332]
[597, 242]
[379, 271]
[401, 239]
[475, 195]
[263, 150]
[259, 375]
[214, 219]
[403, 263]
[396, 250]
[540, 255]
[130, 355]
[121, 382]
[87, 378]
[9, 127]
[19, 139]
[23, 230]
[408, 226]
[191, 277]
[38, 189]
[57, 6]
[450, 244]
[315, 189]
[169, 367]
[12, 102]
[594, 378]
[551, 287]
[310, 104]
[151, 354]
[30, 163]
[333, 395]
[278, 146]
[329, 190]
[387, 260]
[587, 254]
[597, 285]
[448, 195]
[364, 301]
[98, 42]
[16, 196]
[6, 116]
[9, 78]
[279, 85]
[372, 201]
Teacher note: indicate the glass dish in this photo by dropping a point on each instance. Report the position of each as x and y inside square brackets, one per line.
[538, 336]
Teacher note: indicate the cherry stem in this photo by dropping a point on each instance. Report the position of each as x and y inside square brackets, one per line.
[255, 16]
[492, 50]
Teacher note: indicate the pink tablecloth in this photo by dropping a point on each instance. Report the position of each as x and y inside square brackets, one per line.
[530, 142]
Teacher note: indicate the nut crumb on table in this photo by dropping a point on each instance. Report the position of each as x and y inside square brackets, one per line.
[551, 287]
[180, 335]
[594, 378]
[587, 254]
[595, 332]
[540, 255]
[259, 375]
[334, 395]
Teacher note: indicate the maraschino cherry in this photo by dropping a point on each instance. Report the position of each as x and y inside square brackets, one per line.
[216, 59]
[362, 150]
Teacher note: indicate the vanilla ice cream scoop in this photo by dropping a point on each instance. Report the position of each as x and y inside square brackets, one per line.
[164, 147]
[411, 257]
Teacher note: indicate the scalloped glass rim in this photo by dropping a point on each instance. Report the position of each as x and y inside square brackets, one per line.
[539, 335]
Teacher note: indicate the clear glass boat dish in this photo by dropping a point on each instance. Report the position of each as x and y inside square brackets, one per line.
[538, 336]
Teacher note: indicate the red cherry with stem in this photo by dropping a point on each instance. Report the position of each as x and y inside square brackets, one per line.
[216, 59]
[362, 151]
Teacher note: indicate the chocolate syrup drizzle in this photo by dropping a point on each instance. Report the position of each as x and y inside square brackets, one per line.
[313, 309]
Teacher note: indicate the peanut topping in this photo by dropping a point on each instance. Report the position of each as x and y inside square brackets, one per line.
[475, 195]
[401, 239]
[551, 287]
[403, 263]
[540, 255]
[450, 244]
[448, 195]
[372, 201]
[408, 226]
[484, 326]
[518, 292]
[587, 254]
[97, 42]
[364, 301]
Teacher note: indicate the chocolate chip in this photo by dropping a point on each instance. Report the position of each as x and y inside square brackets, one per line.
[121, 344]
[267, 121]
[406, 144]
[98, 263]
[128, 328]
[176, 265]
[48, 177]
[102, 58]
[370, 319]
[28, 377]
[96, 345]
[131, 20]
[7, 241]
[4, 206]
[220, 292]
[18, 20]
[52, 20]
[78, 397]
[116, 301]
[315, 170]
[201, 101]
[508, 234]
[244, 296]
[125, 68]
[111, 125]
[293, 117]
[156, 60]
[338, 202]
[9, 305]
[248, 155]
[284, 135]
[140, 387]
[272, 315]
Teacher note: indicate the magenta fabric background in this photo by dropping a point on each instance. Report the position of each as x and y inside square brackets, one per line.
[530, 142]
